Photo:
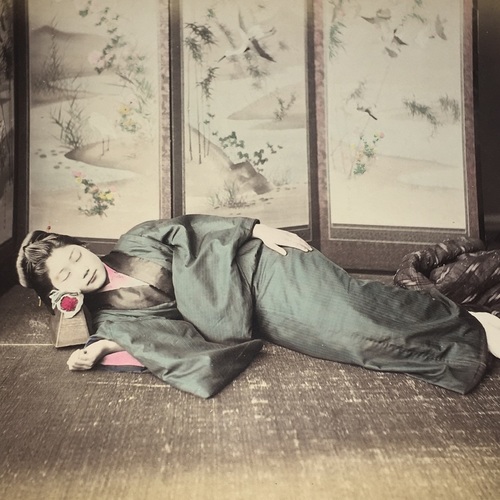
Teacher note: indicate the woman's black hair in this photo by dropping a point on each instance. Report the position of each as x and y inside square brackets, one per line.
[32, 271]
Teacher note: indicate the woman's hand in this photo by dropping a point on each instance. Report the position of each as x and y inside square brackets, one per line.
[275, 239]
[85, 359]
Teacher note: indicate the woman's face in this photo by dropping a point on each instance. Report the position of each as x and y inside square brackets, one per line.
[73, 268]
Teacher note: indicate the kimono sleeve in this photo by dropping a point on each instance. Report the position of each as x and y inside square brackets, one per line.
[202, 250]
[187, 235]
[175, 352]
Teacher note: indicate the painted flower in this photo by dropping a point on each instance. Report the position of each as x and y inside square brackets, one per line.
[124, 110]
[69, 303]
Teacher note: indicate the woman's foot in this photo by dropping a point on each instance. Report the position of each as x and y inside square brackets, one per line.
[491, 325]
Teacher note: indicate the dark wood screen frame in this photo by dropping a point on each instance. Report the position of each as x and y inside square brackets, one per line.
[8, 250]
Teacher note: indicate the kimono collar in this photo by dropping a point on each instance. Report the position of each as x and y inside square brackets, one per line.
[145, 270]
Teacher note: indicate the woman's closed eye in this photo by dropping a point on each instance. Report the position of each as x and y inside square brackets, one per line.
[75, 256]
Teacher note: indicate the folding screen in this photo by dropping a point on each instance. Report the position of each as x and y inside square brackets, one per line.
[396, 102]
[98, 149]
[241, 102]
[348, 121]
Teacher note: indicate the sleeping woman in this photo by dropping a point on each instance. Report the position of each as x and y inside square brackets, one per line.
[193, 299]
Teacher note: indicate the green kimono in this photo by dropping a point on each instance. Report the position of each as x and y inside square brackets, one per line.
[213, 294]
